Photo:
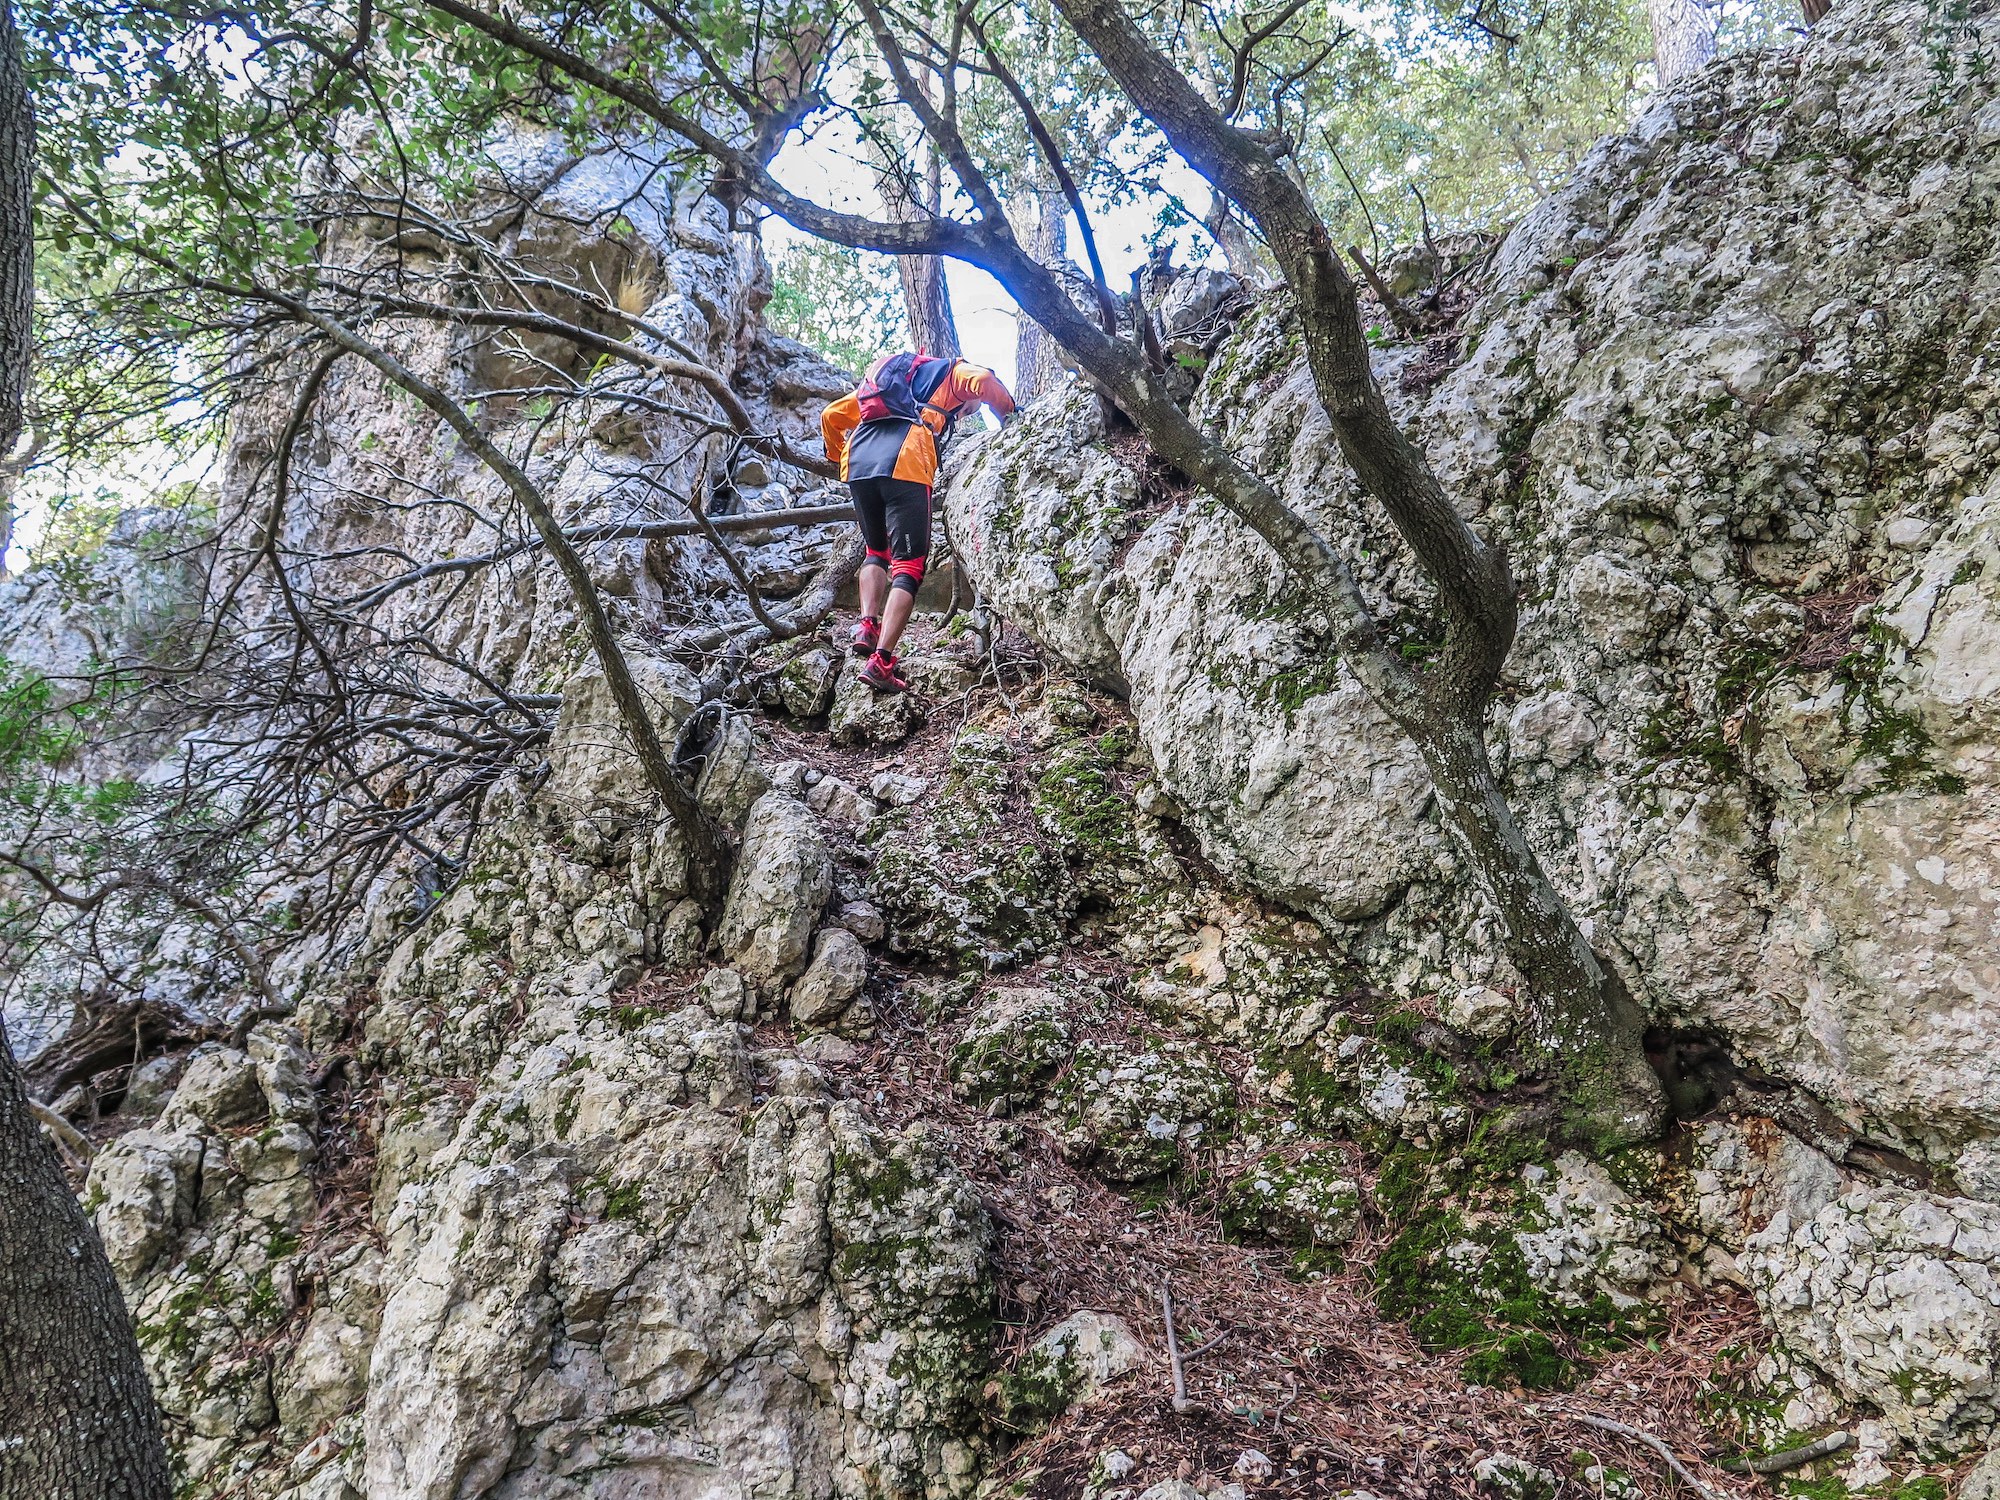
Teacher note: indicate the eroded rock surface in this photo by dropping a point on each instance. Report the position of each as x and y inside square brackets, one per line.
[1706, 441]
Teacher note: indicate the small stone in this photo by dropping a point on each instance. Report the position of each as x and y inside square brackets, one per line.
[790, 777]
[1553, 727]
[724, 992]
[939, 674]
[1072, 712]
[1015, 1042]
[1253, 1465]
[783, 877]
[1116, 1463]
[864, 919]
[1070, 1364]
[731, 779]
[806, 684]
[1480, 1011]
[681, 937]
[825, 1047]
[897, 790]
[1155, 801]
[151, 1086]
[1297, 1200]
[841, 805]
[861, 716]
[1513, 1478]
[1907, 533]
[219, 1089]
[1124, 1114]
[838, 970]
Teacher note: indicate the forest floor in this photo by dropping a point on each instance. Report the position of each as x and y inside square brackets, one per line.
[1297, 1383]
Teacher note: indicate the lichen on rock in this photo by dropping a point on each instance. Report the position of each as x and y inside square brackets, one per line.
[1127, 1113]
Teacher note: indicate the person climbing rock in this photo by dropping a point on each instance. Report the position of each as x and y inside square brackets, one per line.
[885, 435]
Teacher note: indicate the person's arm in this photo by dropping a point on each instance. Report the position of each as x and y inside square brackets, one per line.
[970, 382]
[837, 424]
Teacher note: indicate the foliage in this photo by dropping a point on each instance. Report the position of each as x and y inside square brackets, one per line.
[845, 303]
[1474, 113]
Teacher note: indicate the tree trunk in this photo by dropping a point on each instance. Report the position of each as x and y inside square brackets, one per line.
[927, 306]
[1245, 258]
[926, 298]
[1585, 1015]
[1038, 364]
[77, 1419]
[1683, 38]
[17, 237]
[1593, 1030]
[912, 197]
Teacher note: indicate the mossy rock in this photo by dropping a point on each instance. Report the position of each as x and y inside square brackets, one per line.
[1126, 1113]
[1458, 1274]
[1079, 807]
[1066, 1366]
[1306, 1201]
[957, 882]
[1016, 1042]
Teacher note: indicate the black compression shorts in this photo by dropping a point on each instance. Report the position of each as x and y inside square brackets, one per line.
[895, 516]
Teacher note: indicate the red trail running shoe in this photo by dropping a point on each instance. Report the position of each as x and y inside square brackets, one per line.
[867, 635]
[880, 673]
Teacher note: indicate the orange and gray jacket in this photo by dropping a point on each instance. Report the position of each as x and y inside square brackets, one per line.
[893, 448]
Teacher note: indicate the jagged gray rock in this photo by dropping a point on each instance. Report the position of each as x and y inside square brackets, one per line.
[838, 970]
[783, 877]
[806, 685]
[1895, 1297]
[862, 716]
[1693, 425]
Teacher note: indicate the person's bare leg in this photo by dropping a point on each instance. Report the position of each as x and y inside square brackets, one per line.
[874, 583]
[895, 615]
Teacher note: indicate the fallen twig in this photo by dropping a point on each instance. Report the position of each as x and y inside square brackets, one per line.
[1198, 1353]
[1181, 1402]
[1791, 1458]
[1640, 1435]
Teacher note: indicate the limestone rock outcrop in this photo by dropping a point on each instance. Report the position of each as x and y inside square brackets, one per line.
[1896, 1297]
[1730, 400]
[541, 1243]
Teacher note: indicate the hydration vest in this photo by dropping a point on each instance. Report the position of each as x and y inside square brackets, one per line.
[899, 386]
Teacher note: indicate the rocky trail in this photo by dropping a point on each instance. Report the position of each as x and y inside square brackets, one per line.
[1296, 1381]
[1129, 958]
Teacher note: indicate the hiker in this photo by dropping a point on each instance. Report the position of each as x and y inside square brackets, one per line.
[885, 437]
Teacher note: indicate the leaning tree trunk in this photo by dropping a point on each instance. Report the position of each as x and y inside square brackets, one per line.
[1585, 1017]
[926, 297]
[1595, 1030]
[1038, 365]
[77, 1419]
[1683, 37]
